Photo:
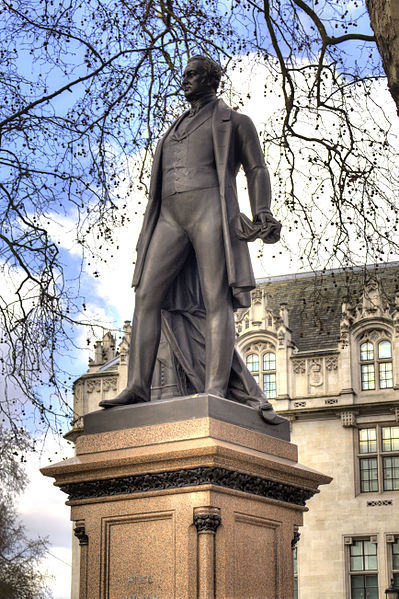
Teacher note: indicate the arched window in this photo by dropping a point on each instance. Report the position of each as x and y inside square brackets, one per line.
[376, 362]
[261, 362]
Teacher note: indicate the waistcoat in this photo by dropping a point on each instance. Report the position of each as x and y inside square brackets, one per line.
[188, 160]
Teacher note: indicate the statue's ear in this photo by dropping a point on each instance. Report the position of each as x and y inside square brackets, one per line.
[205, 80]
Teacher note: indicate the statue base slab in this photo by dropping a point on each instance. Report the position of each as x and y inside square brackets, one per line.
[196, 500]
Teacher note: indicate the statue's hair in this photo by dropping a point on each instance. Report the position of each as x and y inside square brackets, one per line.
[212, 68]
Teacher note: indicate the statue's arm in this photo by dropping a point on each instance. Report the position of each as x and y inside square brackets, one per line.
[253, 162]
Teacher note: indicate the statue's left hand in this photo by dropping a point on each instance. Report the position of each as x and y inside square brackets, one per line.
[263, 218]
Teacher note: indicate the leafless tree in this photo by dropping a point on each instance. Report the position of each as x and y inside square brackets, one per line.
[20, 577]
[88, 86]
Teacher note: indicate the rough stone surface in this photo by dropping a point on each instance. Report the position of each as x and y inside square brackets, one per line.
[170, 541]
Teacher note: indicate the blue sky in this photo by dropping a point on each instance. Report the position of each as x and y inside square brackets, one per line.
[105, 290]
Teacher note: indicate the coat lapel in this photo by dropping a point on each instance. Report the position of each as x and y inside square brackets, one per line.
[191, 124]
[221, 130]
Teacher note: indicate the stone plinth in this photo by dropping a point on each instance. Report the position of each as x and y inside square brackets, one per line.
[186, 498]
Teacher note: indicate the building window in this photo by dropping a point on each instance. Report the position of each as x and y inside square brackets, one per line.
[395, 562]
[363, 570]
[253, 366]
[295, 557]
[378, 454]
[376, 362]
[261, 362]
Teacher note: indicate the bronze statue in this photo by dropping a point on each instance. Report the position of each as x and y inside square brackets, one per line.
[193, 266]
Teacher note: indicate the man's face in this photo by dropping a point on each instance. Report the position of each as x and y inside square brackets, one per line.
[195, 80]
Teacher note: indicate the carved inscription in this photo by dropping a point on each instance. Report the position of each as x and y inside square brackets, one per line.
[132, 545]
[140, 588]
[140, 596]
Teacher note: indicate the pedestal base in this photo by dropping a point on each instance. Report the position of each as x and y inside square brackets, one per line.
[200, 507]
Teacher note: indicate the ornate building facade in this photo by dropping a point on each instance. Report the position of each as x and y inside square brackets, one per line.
[325, 349]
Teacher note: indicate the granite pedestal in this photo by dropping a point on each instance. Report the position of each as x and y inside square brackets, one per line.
[185, 498]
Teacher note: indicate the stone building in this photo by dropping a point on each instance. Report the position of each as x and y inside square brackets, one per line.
[325, 348]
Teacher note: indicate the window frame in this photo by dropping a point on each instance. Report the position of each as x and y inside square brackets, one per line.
[373, 364]
[393, 572]
[266, 378]
[378, 454]
[295, 570]
[350, 574]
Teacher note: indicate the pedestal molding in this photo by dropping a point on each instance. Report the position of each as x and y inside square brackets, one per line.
[175, 479]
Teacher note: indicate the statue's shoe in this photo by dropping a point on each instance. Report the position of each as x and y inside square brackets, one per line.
[125, 398]
[270, 416]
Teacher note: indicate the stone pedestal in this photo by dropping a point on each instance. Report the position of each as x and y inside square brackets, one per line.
[186, 498]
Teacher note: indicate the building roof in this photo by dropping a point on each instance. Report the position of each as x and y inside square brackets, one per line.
[314, 300]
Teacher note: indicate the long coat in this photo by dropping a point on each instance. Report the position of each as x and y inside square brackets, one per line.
[236, 143]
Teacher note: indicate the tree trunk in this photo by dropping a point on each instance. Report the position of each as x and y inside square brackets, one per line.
[384, 18]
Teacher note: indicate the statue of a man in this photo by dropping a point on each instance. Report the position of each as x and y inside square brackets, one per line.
[192, 258]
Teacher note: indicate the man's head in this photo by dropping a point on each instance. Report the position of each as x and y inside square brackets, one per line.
[200, 76]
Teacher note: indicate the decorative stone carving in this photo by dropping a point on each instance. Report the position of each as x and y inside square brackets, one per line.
[78, 391]
[93, 385]
[110, 384]
[299, 366]
[331, 363]
[257, 296]
[221, 477]
[348, 541]
[348, 418]
[315, 373]
[372, 305]
[124, 345]
[207, 522]
[295, 539]
[104, 350]
[284, 314]
[299, 404]
[281, 336]
[80, 533]
[259, 317]
[345, 324]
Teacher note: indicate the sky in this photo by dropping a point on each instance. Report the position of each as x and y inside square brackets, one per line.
[111, 299]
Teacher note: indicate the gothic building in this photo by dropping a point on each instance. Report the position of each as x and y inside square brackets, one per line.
[325, 349]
